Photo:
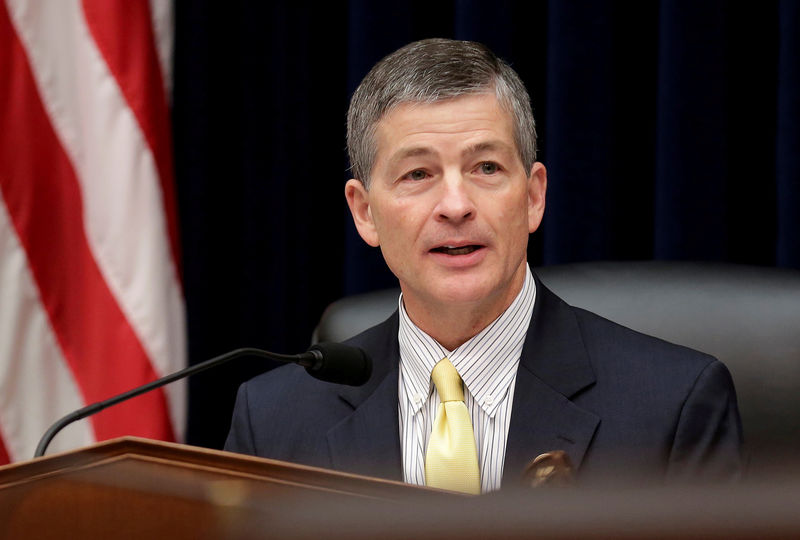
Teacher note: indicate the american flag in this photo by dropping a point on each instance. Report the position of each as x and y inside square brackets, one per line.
[91, 302]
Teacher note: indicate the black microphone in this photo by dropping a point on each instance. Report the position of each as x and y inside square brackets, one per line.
[330, 362]
[341, 364]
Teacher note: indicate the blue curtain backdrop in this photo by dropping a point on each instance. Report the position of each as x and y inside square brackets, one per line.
[671, 130]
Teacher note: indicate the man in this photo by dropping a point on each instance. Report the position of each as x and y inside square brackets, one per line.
[443, 149]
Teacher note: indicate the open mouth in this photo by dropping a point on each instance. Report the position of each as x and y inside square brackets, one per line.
[460, 250]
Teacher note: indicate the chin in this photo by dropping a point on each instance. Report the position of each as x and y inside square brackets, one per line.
[462, 292]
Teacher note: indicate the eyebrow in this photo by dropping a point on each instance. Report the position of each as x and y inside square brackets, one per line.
[486, 146]
[413, 151]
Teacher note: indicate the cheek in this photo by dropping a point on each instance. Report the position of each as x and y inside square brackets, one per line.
[400, 222]
[388, 227]
[512, 225]
[511, 213]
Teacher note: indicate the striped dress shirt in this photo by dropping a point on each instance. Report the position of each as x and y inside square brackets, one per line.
[487, 364]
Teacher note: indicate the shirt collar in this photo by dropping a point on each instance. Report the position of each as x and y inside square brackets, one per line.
[487, 362]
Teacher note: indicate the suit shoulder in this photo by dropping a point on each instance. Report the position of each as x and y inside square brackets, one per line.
[646, 369]
[380, 344]
[674, 405]
[287, 382]
[271, 391]
[603, 335]
[377, 335]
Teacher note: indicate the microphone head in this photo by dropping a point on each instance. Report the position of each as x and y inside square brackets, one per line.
[341, 364]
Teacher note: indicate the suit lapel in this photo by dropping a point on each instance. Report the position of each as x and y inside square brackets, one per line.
[554, 367]
[543, 420]
[368, 441]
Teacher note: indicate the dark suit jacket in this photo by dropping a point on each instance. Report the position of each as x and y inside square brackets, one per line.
[615, 400]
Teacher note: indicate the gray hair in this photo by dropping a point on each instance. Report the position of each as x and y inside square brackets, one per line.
[428, 71]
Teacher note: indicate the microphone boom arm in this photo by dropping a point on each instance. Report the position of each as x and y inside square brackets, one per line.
[311, 359]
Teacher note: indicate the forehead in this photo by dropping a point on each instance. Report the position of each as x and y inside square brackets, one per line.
[454, 123]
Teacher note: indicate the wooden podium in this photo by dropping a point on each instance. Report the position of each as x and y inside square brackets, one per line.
[139, 488]
[136, 488]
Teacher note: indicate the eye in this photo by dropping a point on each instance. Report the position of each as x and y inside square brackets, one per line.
[488, 167]
[417, 174]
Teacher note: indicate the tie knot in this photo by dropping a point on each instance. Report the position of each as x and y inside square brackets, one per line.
[447, 381]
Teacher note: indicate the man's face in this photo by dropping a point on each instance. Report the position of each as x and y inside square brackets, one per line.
[450, 203]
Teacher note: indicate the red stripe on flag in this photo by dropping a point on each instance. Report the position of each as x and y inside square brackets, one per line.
[119, 27]
[4, 459]
[41, 191]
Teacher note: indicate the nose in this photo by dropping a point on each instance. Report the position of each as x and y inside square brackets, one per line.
[455, 204]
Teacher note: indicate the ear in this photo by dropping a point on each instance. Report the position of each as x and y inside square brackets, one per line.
[537, 188]
[358, 200]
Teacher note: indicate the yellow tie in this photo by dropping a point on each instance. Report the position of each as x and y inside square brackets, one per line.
[451, 461]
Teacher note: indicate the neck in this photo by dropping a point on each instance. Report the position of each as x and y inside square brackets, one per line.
[452, 324]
